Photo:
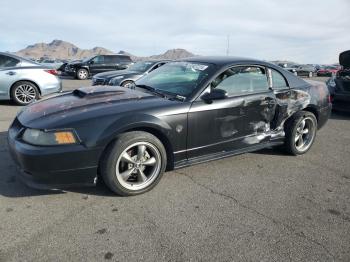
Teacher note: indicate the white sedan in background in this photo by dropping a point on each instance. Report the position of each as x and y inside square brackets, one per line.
[24, 81]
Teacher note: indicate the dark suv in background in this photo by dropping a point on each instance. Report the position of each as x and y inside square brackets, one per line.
[97, 64]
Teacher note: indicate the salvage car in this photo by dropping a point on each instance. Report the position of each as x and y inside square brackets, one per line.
[185, 112]
[23, 81]
[339, 85]
[128, 76]
[97, 64]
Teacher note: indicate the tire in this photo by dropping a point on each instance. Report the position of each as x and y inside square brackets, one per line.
[300, 137]
[82, 74]
[134, 163]
[24, 92]
[127, 83]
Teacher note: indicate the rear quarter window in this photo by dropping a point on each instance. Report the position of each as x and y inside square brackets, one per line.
[7, 61]
[125, 59]
[278, 80]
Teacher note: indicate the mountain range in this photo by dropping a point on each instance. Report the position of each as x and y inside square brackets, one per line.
[60, 49]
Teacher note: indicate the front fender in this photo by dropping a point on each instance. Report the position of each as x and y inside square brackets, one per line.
[126, 123]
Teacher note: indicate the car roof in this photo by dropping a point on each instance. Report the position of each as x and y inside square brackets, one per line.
[157, 60]
[18, 57]
[222, 60]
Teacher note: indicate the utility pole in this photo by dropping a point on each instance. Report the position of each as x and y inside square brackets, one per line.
[228, 45]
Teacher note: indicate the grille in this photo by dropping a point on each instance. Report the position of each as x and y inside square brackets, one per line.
[98, 81]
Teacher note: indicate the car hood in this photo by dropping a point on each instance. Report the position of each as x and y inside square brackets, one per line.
[111, 74]
[344, 59]
[85, 103]
[75, 63]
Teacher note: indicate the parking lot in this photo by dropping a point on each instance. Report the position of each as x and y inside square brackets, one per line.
[262, 206]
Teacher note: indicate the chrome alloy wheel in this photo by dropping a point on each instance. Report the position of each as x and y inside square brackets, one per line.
[138, 166]
[82, 74]
[305, 134]
[25, 93]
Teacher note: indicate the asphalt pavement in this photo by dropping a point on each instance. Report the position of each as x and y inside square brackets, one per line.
[262, 206]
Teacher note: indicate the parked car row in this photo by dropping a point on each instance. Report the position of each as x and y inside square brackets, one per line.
[300, 70]
[128, 76]
[309, 70]
[24, 81]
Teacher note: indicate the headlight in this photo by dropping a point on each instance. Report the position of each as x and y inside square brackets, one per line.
[50, 138]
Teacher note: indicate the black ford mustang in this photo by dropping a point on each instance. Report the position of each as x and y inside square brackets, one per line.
[185, 112]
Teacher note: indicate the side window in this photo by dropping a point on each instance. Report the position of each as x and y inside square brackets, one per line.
[112, 59]
[124, 59]
[7, 61]
[242, 80]
[156, 66]
[278, 81]
[99, 59]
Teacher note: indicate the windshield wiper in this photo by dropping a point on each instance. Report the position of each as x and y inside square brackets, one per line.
[152, 89]
[163, 93]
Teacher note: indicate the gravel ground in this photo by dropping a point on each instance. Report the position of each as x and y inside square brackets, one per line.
[263, 206]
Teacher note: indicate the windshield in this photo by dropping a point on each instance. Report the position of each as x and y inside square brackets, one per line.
[179, 78]
[141, 66]
[87, 59]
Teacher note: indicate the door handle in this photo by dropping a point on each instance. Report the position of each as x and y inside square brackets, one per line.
[11, 73]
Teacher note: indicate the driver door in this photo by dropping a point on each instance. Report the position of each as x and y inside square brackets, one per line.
[97, 65]
[240, 120]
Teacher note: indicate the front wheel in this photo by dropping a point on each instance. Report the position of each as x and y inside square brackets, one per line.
[300, 132]
[82, 74]
[134, 163]
[127, 84]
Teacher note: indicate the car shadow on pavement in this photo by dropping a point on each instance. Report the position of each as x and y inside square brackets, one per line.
[7, 103]
[11, 185]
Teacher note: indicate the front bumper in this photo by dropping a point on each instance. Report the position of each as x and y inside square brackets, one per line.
[55, 166]
[341, 102]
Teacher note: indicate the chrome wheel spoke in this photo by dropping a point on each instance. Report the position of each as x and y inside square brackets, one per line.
[141, 176]
[302, 125]
[140, 151]
[127, 158]
[150, 162]
[126, 174]
[305, 131]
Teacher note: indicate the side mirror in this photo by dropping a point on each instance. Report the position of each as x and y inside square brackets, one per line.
[215, 94]
[91, 62]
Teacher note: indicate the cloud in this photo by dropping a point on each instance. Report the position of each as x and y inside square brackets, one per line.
[300, 30]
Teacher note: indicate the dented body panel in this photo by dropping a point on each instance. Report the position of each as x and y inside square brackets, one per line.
[192, 130]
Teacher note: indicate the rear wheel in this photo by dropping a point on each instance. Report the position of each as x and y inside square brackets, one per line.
[300, 132]
[134, 164]
[24, 93]
[82, 74]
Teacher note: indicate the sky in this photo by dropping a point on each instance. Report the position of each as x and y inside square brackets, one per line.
[304, 31]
